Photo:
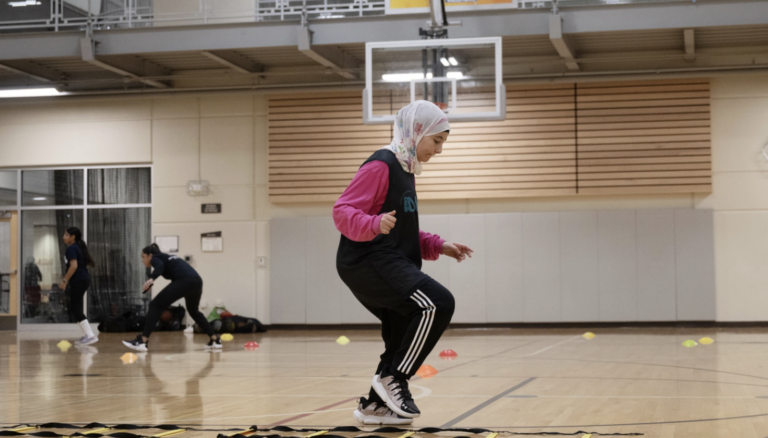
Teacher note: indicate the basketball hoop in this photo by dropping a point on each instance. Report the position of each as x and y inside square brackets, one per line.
[441, 105]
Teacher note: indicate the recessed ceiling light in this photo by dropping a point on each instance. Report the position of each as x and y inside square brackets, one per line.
[24, 3]
[453, 61]
[445, 61]
[30, 92]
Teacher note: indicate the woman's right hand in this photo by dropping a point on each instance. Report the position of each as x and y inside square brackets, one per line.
[387, 222]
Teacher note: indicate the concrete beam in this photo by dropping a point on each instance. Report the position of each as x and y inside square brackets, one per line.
[562, 46]
[234, 61]
[326, 57]
[27, 72]
[690, 44]
[608, 18]
[88, 54]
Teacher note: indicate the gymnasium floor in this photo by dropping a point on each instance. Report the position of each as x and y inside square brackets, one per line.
[622, 381]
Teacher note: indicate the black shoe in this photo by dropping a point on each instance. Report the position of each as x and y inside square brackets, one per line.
[214, 345]
[137, 344]
[396, 394]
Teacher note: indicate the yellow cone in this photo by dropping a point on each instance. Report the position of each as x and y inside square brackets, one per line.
[343, 340]
[64, 346]
[706, 341]
[227, 337]
[588, 335]
[129, 358]
[689, 343]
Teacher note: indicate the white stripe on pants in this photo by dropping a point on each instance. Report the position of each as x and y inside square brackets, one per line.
[427, 317]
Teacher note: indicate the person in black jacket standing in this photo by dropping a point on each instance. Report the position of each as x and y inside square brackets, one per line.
[185, 283]
[77, 280]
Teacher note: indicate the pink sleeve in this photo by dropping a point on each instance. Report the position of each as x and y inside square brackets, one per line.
[355, 212]
[431, 245]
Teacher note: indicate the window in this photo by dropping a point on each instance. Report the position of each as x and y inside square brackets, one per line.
[8, 187]
[131, 185]
[52, 187]
[43, 264]
[116, 237]
[111, 206]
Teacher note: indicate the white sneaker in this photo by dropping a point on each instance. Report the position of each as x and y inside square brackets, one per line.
[396, 394]
[136, 344]
[85, 340]
[373, 413]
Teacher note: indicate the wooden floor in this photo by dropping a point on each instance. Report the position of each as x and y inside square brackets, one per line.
[554, 380]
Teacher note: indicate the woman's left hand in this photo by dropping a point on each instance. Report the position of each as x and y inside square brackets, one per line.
[63, 284]
[457, 250]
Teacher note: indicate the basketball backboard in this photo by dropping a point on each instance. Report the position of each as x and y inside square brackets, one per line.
[462, 76]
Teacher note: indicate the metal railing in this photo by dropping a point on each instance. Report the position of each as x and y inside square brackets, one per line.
[57, 15]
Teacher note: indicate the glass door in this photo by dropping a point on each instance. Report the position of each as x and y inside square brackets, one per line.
[8, 262]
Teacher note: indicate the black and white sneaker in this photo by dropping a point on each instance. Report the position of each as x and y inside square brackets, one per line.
[214, 345]
[370, 412]
[396, 394]
[137, 344]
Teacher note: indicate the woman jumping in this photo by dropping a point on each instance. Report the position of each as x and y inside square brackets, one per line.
[79, 280]
[185, 283]
[379, 259]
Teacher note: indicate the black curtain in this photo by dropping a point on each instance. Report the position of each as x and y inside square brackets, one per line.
[116, 237]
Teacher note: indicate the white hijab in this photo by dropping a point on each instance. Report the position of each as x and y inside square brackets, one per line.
[412, 123]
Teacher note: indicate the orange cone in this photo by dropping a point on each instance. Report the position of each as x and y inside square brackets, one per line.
[426, 372]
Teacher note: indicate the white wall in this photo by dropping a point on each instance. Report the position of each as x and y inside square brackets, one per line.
[740, 197]
[584, 266]
[224, 138]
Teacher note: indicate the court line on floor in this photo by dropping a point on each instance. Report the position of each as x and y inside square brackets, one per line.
[655, 365]
[486, 403]
[176, 420]
[684, 397]
[650, 423]
[480, 358]
[307, 414]
[324, 409]
[550, 347]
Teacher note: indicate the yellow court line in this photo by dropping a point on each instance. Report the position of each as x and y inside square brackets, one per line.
[407, 434]
[244, 432]
[589, 435]
[169, 433]
[103, 429]
[322, 432]
[492, 435]
[23, 429]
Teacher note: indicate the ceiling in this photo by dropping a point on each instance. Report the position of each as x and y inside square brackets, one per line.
[527, 56]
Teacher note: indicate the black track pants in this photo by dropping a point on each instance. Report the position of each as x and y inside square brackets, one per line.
[191, 290]
[77, 289]
[412, 328]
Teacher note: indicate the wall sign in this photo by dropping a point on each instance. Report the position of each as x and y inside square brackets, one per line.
[167, 244]
[210, 208]
[212, 242]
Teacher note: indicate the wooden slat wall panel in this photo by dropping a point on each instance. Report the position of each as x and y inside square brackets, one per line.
[315, 146]
[532, 153]
[644, 137]
[558, 140]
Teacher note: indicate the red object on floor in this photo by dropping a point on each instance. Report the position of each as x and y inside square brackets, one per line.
[448, 355]
[251, 345]
[426, 372]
